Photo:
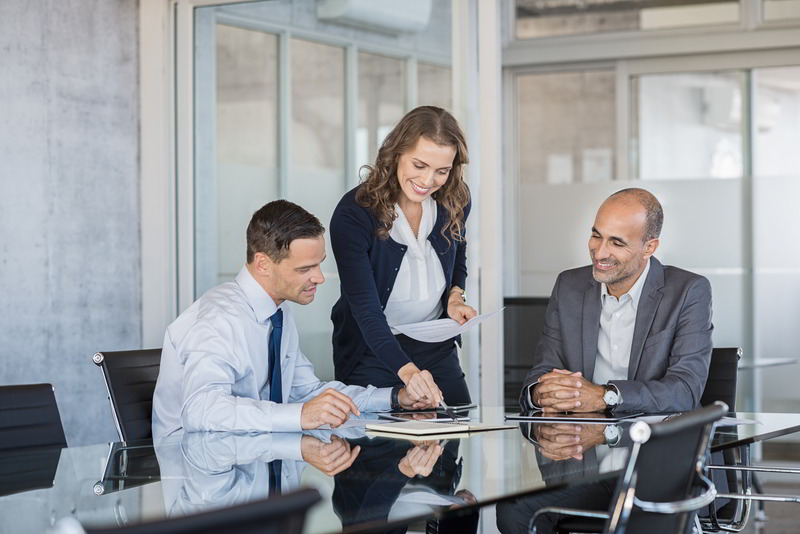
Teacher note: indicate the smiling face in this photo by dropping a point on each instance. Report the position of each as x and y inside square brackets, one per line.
[296, 277]
[423, 170]
[618, 252]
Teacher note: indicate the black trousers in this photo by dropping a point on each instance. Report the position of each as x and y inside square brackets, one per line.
[440, 359]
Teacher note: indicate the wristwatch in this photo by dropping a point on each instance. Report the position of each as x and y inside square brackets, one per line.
[611, 435]
[395, 404]
[611, 396]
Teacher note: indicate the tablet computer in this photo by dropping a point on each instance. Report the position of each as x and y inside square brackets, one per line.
[572, 417]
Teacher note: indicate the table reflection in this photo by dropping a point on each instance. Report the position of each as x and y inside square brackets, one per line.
[565, 451]
[393, 479]
[375, 479]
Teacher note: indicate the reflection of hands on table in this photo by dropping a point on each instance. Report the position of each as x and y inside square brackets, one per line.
[417, 416]
[562, 441]
[565, 391]
[421, 459]
[330, 458]
[469, 498]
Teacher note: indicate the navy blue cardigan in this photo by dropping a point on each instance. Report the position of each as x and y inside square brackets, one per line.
[367, 268]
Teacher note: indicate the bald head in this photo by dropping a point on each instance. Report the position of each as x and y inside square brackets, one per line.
[654, 215]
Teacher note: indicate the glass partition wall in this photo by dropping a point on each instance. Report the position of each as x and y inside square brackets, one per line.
[288, 106]
[712, 135]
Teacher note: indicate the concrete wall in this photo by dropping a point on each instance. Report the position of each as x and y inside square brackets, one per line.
[69, 205]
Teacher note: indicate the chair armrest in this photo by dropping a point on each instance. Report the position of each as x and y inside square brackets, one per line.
[756, 469]
[759, 497]
[686, 505]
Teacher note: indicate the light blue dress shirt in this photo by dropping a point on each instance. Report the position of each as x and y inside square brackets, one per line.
[214, 365]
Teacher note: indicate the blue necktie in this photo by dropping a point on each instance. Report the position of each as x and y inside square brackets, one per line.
[275, 393]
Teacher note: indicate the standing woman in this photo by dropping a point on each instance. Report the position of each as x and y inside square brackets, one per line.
[399, 240]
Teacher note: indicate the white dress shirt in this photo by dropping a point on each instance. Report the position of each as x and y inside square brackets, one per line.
[214, 366]
[417, 292]
[617, 323]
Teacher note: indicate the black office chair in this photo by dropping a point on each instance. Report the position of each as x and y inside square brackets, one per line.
[29, 417]
[523, 319]
[722, 376]
[128, 466]
[731, 467]
[31, 437]
[282, 514]
[130, 378]
[663, 483]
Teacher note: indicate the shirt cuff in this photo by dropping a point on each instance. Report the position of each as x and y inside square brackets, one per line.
[379, 401]
[287, 446]
[287, 417]
[528, 398]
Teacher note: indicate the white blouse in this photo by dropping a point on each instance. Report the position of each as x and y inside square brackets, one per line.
[417, 292]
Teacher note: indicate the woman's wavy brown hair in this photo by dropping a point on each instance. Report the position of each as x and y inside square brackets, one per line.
[380, 189]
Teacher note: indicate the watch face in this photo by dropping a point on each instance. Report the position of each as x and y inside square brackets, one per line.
[611, 398]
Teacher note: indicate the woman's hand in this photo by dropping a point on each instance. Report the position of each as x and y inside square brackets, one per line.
[457, 309]
[420, 385]
[421, 459]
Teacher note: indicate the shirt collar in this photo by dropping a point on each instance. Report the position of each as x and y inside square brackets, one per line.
[635, 292]
[262, 304]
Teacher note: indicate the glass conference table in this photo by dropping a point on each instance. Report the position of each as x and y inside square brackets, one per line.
[391, 482]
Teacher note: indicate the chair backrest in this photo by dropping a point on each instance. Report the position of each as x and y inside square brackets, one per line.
[29, 417]
[130, 378]
[722, 375]
[665, 464]
[523, 320]
[281, 514]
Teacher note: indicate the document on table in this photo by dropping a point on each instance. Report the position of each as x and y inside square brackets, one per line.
[441, 329]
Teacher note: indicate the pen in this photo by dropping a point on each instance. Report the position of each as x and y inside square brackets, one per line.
[448, 411]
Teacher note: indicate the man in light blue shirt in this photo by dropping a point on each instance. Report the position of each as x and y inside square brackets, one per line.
[232, 360]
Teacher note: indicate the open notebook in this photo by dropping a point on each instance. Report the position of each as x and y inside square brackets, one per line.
[426, 428]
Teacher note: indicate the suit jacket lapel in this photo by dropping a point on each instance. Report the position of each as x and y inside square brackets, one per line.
[591, 328]
[648, 305]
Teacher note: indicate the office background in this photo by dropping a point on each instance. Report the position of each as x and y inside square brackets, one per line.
[138, 137]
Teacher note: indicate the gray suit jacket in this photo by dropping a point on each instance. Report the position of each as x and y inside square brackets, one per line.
[671, 347]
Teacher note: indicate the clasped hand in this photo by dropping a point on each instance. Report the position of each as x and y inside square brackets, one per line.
[561, 441]
[564, 391]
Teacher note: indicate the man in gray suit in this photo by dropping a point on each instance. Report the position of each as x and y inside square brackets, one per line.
[626, 332]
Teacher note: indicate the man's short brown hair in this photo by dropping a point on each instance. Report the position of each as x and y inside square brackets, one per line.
[273, 228]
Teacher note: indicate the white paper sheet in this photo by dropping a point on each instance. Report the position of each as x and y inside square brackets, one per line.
[441, 329]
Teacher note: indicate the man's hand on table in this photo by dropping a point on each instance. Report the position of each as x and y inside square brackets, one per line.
[330, 407]
[562, 441]
[565, 391]
[330, 458]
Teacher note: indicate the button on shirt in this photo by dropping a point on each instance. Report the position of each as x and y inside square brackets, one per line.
[617, 323]
[214, 366]
[417, 292]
